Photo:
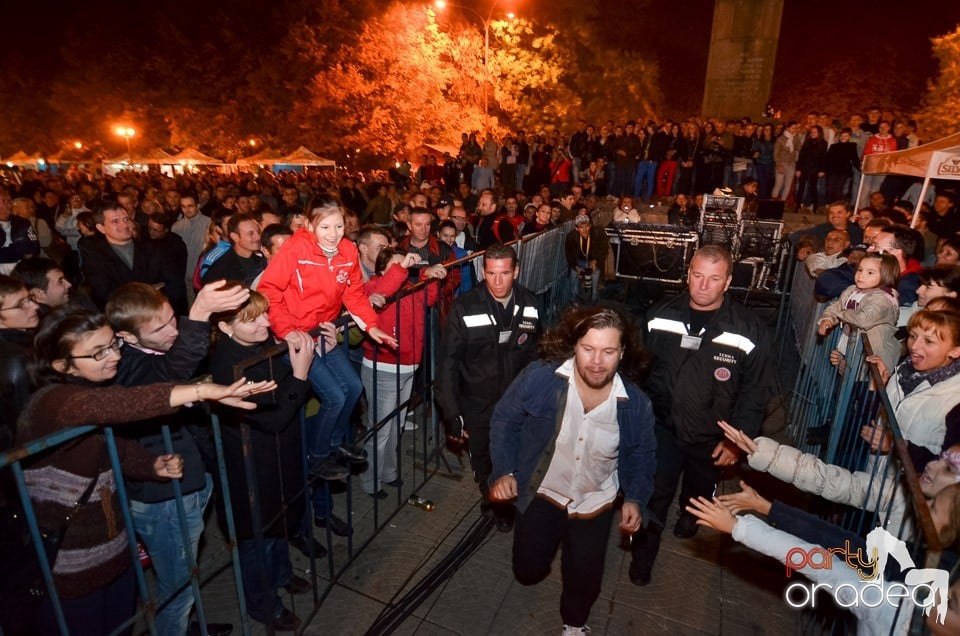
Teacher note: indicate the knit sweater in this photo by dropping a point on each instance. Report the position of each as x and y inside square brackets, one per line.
[94, 550]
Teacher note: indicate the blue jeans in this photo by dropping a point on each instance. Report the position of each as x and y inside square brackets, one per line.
[158, 527]
[646, 170]
[577, 287]
[336, 383]
[279, 574]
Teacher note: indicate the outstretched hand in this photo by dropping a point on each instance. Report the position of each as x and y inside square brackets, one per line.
[380, 337]
[216, 297]
[746, 500]
[235, 395]
[738, 437]
[712, 514]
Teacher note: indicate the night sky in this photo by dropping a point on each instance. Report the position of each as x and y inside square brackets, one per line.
[675, 33]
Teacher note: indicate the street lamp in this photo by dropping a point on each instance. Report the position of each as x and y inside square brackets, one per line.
[442, 4]
[126, 132]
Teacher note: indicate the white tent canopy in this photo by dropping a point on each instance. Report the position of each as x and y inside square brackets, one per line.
[303, 157]
[266, 157]
[194, 156]
[938, 159]
[157, 156]
[20, 158]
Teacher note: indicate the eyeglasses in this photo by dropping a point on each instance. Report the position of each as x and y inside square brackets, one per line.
[22, 305]
[115, 346]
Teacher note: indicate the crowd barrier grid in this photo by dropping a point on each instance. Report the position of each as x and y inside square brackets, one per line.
[843, 399]
[543, 270]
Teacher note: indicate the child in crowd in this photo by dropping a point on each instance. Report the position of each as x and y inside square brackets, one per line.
[870, 304]
[307, 284]
[388, 375]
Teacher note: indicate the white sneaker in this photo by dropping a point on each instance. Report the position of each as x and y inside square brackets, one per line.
[573, 631]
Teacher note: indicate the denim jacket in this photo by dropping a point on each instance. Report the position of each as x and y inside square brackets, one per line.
[526, 422]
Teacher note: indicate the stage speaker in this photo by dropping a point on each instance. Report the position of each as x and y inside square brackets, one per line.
[653, 261]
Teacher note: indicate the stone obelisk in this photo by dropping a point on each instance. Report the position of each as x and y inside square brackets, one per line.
[743, 50]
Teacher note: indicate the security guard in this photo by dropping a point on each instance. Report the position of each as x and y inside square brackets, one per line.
[710, 361]
[490, 336]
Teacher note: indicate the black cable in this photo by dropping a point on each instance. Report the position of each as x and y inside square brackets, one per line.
[398, 610]
[394, 615]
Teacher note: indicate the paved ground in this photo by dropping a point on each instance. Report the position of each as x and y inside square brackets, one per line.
[705, 585]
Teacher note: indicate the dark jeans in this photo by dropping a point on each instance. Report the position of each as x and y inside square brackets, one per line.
[99, 612]
[279, 574]
[764, 179]
[691, 461]
[539, 531]
[838, 188]
[807, 189]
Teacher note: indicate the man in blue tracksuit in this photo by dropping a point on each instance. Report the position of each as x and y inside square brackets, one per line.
[567, 436]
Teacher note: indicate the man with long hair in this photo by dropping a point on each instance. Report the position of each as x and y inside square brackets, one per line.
[570, 433]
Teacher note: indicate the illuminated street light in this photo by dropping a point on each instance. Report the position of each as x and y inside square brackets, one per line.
[126, 132]
[78, 145]
[442, 4]
[253, 143]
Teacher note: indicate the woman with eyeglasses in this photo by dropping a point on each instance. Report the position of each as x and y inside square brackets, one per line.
[18, 321]
[76, 354]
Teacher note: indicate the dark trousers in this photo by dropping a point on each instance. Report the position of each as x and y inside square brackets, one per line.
[539, 531]
[279, 573]
[478, 427]
[691, 461]
[99, 612]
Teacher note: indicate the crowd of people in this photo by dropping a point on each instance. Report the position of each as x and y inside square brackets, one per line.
[807, 161]
[119, 294]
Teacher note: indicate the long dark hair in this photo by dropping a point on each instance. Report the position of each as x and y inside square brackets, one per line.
[56, 337]
[558, 343]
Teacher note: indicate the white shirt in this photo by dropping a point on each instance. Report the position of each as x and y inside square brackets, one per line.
[582, 476]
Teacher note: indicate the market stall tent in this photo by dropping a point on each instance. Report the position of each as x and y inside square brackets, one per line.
[192, 156]
[938, 159]
[266, 157]
[20, 158]
[303, 157]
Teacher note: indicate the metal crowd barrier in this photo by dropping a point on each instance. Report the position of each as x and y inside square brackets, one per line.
[543, 265]
[827, 409]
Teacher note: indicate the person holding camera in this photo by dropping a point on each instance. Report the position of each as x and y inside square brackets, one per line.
[586, 249]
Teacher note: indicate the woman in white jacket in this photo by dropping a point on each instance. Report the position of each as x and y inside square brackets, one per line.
[924, 390]
[852, 488]
[844, 581]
